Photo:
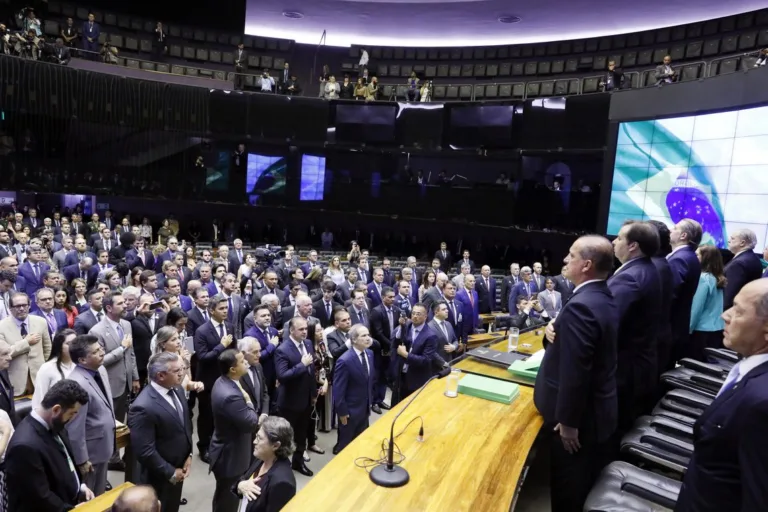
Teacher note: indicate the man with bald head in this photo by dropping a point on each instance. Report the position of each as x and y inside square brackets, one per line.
[141, 498]
[728, 469]
[575, 389]
[485, 286]
[744, 267]
[11, 263]
[684, 238]
[636, 289]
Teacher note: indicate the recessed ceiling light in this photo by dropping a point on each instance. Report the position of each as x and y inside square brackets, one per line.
[510, 19]
[294, 15]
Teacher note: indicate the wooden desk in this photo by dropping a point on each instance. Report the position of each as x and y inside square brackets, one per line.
[471, 458]
[104, 502]
[481, 339]
[470, 364]
[489, 318]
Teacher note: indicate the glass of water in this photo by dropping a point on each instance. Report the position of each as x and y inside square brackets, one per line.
[514, 336]
[452, 383]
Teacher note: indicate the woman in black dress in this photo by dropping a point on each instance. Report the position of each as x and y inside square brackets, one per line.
[269, 484]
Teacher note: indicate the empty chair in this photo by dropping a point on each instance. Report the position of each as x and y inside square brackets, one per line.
[661, 442]
[682, 405]
[624, 487]
[686, 378]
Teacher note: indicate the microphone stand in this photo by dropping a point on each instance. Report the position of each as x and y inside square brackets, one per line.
[390, 475]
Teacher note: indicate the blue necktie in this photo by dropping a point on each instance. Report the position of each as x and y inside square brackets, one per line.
[221, 330]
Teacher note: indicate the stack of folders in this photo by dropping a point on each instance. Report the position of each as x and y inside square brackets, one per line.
[529, 368]
[489, 389]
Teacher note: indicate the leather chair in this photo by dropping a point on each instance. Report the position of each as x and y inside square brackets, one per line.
[692, 380]
[722, 354]
[682, 406]
[623, 487]
[660, 441]
[23, 407]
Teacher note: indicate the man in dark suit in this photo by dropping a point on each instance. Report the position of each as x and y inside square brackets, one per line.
[236, 257]
[83, 270]
[311, 263]
[465, 261]
[55, 318]
[444, 255]
[485, 287]
[575, 388]
[525, 286]
[508, 283]
[105, 242]
[345, 289]
[39, 467]
[211, 339]
[664, 329]
[636, 291]
[414, 349]
[563, 285]
[161, 430]
[323, 308]
[530, 313]
[5, 245]
[86, 320]
[144, 325]
[199, 314]
[744, 267]
[235, 422]
[241, 66]
[374, 288]
[357, 311]
[384, 321]
[7, 402]
[468, 305]
[268, 339]
[294, 363]
[447, 341]
[81, 251]
[338, 339]
[33, 271]
[138, 256]
[168, 255]
[685, 237]
[254, 383]
[728, 468]
[353, 386]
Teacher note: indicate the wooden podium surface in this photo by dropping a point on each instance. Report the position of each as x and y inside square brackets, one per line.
[104, 502]
[532, 341]
[471, 457]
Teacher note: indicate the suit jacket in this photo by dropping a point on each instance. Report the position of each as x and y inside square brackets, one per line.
[564, 287]
[686, 270]
[432, 295]
[469, 311]
[71, 272]
[506, 287]
[161, 439]
[337, 343]
[286, 326]
[74, 257]
[267, 359]
[257, 389]
[7, 402]
[142, 337]
[552, 302]
[540, 280]
[576, 383]
[364, 318]
[207, 348]
[445, 260]
[373, 294]
[132, 259]
[379, 326]
[85, 321]
[297, 381]
[727, 470]
[278, 486]
[659, 74]
[120, 363]
[265, 291]
[364, 275]
[664, 329]
[344, 291]
[486, 296]
[100, 245]
[421, 352]
[6, 251]
[441, 356]
[739, 271]
[521, 288]
[37, 472]
[234, 423]
[352, 388]
[27, 359]
[58, 258]
[636, 293]
[59, 317]
[34, 283]
[320, 312]
[461, 262]
[194, 320]
[92, 430]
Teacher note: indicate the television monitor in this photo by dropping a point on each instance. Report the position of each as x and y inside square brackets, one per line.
[471, 126]
[265, 175]
[312, 178]
[712, 168]
[360, 122]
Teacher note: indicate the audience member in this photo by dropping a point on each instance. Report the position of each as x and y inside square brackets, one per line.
[706, 310]
[139, 498]
[684, 238]
[353, 387]
[58, 366]
[745, 265]
[30, 342]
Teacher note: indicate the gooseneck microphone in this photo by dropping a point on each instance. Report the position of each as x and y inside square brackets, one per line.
[390, 475]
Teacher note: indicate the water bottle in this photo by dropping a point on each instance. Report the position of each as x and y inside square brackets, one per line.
[514, 337]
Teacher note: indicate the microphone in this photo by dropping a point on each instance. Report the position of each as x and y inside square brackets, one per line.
[389, 475]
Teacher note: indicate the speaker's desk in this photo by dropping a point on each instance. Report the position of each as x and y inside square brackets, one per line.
[104, 502]
[471, 458]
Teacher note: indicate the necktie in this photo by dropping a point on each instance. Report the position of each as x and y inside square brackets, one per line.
[205, 316]
[4, 300]
[245, 394]
[445, 331]
[453, 311]
[471, 299]
[362, 276]
[391, 320]
[98, 317]
[51, 324]
[181, 275]
[527, 290]
[487, 284]
[100, 382]
[23, 330]
[302, 349]
[256, 386]
[37, 271]
[221, 330]
[361, 316]
[365, 365]
[177, 405]
[229, 309]
[731, 380]
[82, 275]
[70, 463]
[141, 257]
[107, 245]
[120, 333]
[328, 309]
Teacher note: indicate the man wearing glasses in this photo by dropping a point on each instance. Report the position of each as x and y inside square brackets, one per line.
[30, 342]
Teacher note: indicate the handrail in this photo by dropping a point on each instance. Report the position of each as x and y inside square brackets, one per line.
[711, 64]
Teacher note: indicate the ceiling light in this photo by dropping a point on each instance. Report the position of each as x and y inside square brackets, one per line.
[510, 19]
[294, 15]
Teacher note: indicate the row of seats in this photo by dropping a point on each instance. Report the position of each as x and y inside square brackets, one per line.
[661, 36]
[137, 24]
[663, 441]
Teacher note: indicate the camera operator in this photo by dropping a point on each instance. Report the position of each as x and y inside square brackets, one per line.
[5, 40]
[108, 53]
[28, 46]
[267, 82]
[426, 91]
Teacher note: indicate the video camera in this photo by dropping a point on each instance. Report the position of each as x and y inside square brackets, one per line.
[268, 254]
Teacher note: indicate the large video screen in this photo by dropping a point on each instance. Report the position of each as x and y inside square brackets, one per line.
[312, 178]
[472, 126]
[266, 175]
[712, 168]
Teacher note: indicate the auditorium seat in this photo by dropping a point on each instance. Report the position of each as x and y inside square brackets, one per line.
[145, 45]
[682, 405]
[659, 441]
[685, 378]
[624, 487]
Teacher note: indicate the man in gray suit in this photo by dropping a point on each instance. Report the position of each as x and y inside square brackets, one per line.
[435, 294]
[664, 73]
[61, 255]
[551, 300]
[234, 423]
[253, 382]
[92, 430]
[86, 320]
[115, 335]
[345, 289]
[447, 342]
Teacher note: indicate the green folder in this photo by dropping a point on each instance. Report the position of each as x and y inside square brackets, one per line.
[528, 368]
[489, 389]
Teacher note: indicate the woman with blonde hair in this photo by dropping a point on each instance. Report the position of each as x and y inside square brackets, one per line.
[707, 324]
[335, 272]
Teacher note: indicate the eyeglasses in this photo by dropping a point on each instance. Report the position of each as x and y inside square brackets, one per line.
[20, 306]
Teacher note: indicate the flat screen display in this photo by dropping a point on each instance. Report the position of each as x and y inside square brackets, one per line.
[475, 126]
[265, 175]
[312, 178]
[712, 168]
[365, 122]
